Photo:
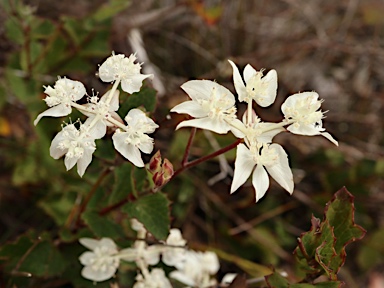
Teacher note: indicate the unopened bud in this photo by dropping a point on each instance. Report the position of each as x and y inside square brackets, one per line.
[155, 163]
[167, 169]
[158, 179]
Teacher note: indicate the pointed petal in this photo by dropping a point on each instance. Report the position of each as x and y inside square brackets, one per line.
[70, 162]
[191, 108]
[133, 83]
[237, 123]
[244, 165]
[84, 161]
[281, 171]
[249, 72]
[54, 149]
[89, 243]
[270, 92]
[56, 111]
[214, 125]
[238, 82]
[130, 152]
[260, 181]
[330, 138]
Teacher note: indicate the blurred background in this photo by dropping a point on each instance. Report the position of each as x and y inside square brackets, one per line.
[332, 47]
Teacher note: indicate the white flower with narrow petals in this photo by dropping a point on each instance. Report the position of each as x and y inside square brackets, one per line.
[212, 105]
[101, 112]
[261, 89]
[196, 269]
[303, 110]
[260, 159]
[60, 97]
[101, 262]
[119, 67]
[134, 139]
[154, 279]
[77, 146]
[174, 252]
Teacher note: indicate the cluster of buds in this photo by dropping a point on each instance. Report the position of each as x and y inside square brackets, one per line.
[161, 170]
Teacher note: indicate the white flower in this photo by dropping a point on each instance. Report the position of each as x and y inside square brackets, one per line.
[257, 159]
[174, 252]
[261, 89]
[196, 269]
[155, 279]
[212, 105]
[119, 67]
[77, 146]
[102, 263]
[60, 98]
[303, 110]
[101, 112]
[134, 138]
[142, 253]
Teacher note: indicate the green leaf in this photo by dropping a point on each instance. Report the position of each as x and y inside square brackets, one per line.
[109, 9]
[275, 280]
[153, 212]
[140, 182]
[32, 254]
[101, 225]
[322, 249]
[146, 97]
[123, 183]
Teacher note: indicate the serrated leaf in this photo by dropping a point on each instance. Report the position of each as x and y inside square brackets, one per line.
[323, 247]
[146, 97]
[140, 181]
[101, 225]
[153, 212]
[123, 183]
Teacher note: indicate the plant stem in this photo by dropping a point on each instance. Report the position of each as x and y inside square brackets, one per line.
[188, 148]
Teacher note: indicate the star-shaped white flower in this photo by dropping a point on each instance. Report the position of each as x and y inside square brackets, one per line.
[260, 159]
[101, 262]
[212, 105]
[196, 269]
[77, 146]
[60, 97]
[154, 279]
[119, 67]
[134, 139]
[101, 112]
[261, 89]
[303, 110]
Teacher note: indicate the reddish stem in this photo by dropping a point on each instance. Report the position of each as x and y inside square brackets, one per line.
[188, 148]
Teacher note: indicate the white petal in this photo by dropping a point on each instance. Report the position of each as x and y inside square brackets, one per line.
[214, 125]
[89, 243]
[238, 82]
[56, 111]
[69, 162]
[260, 181]
[108, 243]
[181, 277]
[266, 137]
[133, 83]
[281, 171]
[202, 89]
[99, 129]
[191, 108]
[237, 123]
[130, 152]
[97, 275]
[249, 72]
[291, 101]
[84, 161]
[54, 151]
[146, 147]
[330, 138]
[114, 104]
[244, 165]
[308, 130]
[270, 93]
[128, 254]
[86, 258]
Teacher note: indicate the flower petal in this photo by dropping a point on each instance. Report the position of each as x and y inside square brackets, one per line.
[133, 83]
[89, 243]
[260, 181]
[244, 165]
[87, 258]
[130, 152]
[238, 82]
[214, 125]
[69, 162]
[97, 275]
[281, 171]
[191, 108]
[84, 161]
[249, 72]
[270, 92]
[330, 138]
[56, 111]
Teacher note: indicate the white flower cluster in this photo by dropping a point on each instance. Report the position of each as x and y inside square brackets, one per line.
[213, 108]
[192, 268]
[78, 145]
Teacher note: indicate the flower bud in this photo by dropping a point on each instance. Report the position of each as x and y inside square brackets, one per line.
[167, 169]
[155, 163]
